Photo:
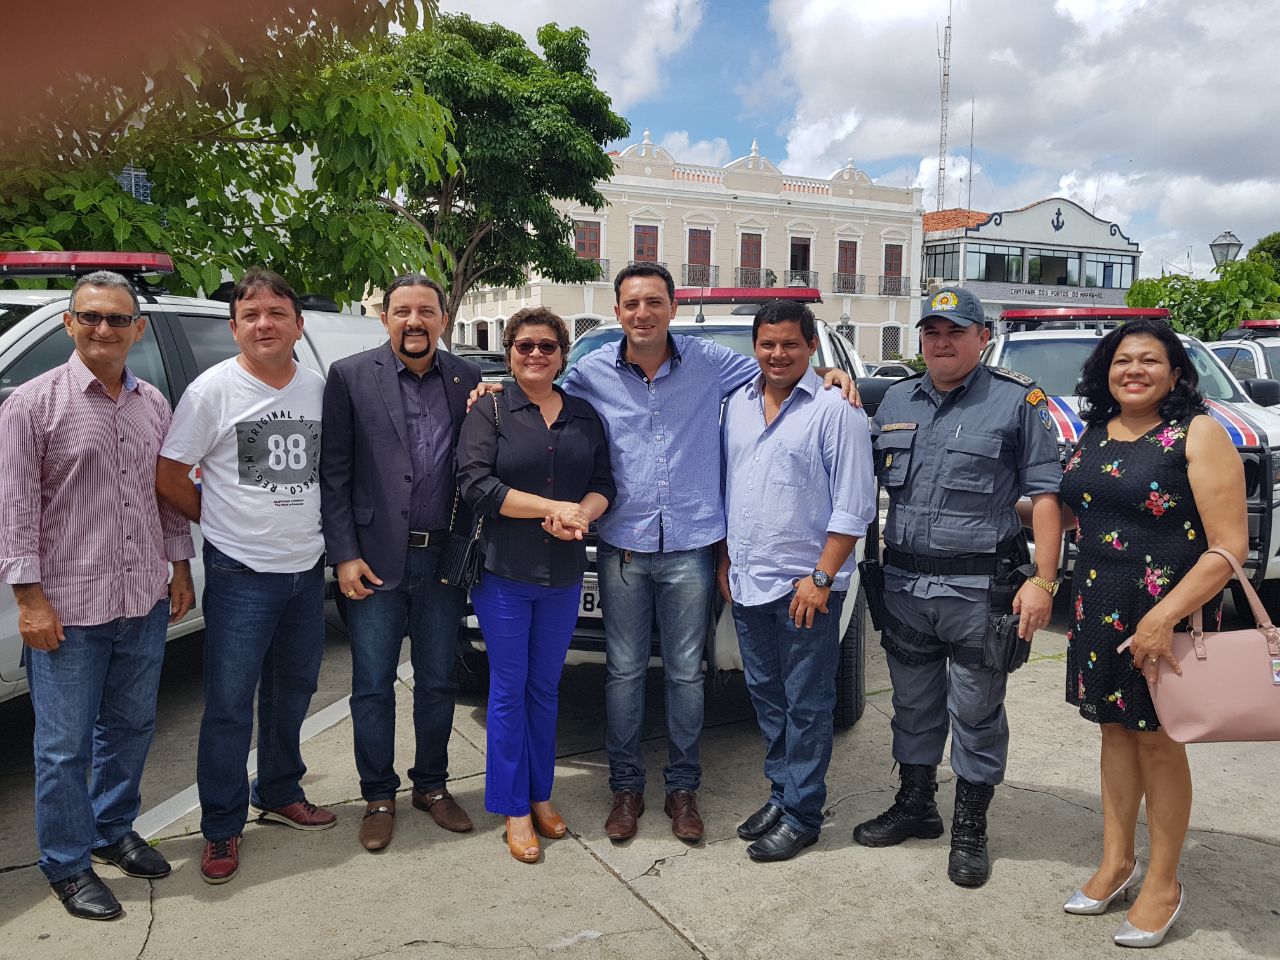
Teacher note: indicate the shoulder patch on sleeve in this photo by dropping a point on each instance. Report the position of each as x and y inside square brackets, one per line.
[1019, 378]
[1035, 396]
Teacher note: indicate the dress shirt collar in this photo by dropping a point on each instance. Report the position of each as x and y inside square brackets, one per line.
[810, 383]
[671, 345]
[401, 368]
[84, 378]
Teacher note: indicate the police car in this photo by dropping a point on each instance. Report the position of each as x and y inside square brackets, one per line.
[733, 331]
[184, 336]
[1050, 345]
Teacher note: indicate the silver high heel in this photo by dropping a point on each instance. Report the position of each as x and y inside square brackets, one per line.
[1082, 903]
[1130, 936]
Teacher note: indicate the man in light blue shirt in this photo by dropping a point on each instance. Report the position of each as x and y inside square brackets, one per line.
[800, 491]
[659, 397]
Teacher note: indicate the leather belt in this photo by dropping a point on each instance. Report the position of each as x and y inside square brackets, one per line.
[427, 538]
[983, 564]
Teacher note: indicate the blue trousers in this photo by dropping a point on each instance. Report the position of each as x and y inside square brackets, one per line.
[263, 632]
[430, 611]
[95, 706]
[635, 588]
[527, 628]
[791, 676]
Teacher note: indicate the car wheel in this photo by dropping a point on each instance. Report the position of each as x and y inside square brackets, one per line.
[471, 670]
[851, 683]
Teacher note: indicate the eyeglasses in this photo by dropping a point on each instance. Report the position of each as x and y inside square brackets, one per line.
[544, 347]
[91, 318]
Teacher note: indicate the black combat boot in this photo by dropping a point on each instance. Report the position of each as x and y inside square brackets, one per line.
[968, 865]
[913, 814]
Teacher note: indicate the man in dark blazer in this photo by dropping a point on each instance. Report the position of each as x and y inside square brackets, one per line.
[391, 421]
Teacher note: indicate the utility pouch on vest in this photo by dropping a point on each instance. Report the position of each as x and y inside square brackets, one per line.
[872, 574]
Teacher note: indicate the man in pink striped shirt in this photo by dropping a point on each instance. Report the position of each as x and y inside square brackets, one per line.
[87, 547]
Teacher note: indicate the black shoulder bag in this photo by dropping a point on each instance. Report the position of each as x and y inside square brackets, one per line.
[461, 562]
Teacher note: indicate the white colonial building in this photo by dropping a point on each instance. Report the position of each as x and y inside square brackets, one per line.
[1050, 253]
[744, 225]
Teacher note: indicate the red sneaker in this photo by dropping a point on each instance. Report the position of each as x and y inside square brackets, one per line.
[221, 860]
[301, 815]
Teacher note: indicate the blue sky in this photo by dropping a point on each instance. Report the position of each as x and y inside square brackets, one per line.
[1156, 114]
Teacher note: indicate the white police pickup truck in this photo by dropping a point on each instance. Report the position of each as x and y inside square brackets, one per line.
[1051, 345]
[184, 337]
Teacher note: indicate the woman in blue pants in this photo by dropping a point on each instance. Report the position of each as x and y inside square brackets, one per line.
[535, 462]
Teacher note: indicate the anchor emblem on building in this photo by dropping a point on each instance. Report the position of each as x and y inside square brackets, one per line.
[1057, 222]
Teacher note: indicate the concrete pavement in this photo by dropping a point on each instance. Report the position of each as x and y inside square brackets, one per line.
[434, 894]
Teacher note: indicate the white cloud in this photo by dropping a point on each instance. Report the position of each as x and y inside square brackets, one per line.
[630, 42]
[711, 153]
[1155, 113]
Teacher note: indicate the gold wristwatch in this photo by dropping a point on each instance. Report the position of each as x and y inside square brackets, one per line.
[1048, 585]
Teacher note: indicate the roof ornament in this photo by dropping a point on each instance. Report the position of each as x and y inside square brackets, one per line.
[755, 147]
[646, 136]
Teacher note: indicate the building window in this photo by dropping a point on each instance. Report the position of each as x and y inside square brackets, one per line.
[893, 259]
[134, 181]
[700, 247]
[992, 261]
[1054, 268]
[586, 239]
[1111, 270]
[749, 255]
[942, 261]
[646, 243]
[847, 257]
[800, 253]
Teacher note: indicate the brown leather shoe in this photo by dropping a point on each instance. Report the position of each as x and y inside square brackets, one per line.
[682, 808]
[624, 815]
[378, 823]
[444, 810]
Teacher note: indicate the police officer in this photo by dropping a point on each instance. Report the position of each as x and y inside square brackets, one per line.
[956, 447]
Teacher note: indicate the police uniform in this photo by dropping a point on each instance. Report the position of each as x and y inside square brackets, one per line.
[954, 465]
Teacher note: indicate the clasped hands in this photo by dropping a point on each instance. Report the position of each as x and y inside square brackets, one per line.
[568, 521]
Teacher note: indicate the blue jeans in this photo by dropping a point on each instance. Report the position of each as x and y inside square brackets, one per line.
[95, 707]
[264, 632]
[526, 629]
[677, 587]
[430, 612]
[791, 675]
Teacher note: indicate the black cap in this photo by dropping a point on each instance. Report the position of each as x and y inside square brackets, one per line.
[955, 304]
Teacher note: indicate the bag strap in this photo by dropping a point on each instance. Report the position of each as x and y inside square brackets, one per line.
[1260, 615]
[453, 514]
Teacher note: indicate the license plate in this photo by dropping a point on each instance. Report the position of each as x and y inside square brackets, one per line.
[589, 606]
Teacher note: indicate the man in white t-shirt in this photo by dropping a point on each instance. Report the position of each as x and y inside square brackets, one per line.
[252, 426]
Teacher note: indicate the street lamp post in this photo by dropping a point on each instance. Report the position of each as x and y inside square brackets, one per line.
[1225, 248]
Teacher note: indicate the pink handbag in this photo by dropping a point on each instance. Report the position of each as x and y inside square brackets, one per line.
[1230, 683]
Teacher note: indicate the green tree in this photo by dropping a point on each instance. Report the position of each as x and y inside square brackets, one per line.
[1245, 290]
[529, 130]
[1268, 247]
[285, 151]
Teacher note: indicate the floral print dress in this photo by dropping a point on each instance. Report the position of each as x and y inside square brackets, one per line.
[1139, 533]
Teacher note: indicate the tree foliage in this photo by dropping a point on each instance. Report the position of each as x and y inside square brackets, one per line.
[529, 129]
[287, 151]
[1267, 248]
[1245, 290]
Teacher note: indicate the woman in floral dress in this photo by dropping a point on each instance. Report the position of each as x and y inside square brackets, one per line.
[1153, 483]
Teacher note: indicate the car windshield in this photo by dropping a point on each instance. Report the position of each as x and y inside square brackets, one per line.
[1055, 366]
[1272, 352]
[735, 337]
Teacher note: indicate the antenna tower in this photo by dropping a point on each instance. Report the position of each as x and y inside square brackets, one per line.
[945, 56]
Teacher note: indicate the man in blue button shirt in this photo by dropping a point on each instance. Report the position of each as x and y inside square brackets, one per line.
[659, 396]
[799, 493]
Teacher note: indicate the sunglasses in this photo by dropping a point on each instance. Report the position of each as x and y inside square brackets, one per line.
[544, 347]
[91, 318]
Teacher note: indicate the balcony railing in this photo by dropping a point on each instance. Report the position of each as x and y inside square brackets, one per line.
[895, 286]
[800, 278]
[699, 275]
[602, 267]
[848, 283]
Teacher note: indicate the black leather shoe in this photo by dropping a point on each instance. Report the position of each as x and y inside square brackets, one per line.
[760, 822]
[87, 897]
[135, 857]
[781, 843]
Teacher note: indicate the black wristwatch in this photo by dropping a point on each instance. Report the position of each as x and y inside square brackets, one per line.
[821, 579]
